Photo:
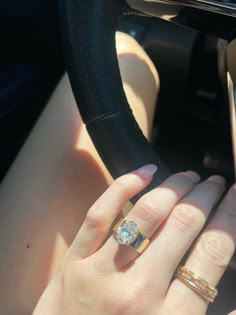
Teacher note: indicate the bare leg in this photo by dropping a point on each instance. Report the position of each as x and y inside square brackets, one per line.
[55, 179]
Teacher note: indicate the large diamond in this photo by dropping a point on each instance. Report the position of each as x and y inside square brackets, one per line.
[127, 232]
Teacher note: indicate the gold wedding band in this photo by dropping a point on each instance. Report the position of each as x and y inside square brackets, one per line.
[127, 233]
[196, 283]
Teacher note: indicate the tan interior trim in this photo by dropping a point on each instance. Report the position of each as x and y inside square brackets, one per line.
[232, 109]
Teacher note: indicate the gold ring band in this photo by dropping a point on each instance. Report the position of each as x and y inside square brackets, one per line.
[196, 283]
[127, 233]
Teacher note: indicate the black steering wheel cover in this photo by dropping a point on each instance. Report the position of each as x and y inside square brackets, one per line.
[88, 28]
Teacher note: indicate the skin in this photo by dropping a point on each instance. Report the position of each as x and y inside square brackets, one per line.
[100, 276]
[55, 179]
[87, 272]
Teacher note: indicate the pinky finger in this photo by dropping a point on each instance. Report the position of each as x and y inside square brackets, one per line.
[101, 215]
[211, 253]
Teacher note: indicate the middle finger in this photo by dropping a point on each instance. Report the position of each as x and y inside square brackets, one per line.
[148, 213]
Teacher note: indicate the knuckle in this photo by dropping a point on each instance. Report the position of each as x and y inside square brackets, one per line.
[120, 183]
[95, 219]
[147, 211]
[187, 219]
[126, 304]
[132, 297]
[217, 248]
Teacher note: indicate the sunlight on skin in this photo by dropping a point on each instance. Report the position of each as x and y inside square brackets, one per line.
[142, 97]
[142, 85]
[51, 181]
[59, 249]
[141, 88]
[84, 144]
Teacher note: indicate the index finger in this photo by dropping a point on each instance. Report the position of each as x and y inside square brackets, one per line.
[105, 210]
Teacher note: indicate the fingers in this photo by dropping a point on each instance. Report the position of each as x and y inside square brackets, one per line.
[149, 213]
[105, 210]
[181, 228]
[212, 251]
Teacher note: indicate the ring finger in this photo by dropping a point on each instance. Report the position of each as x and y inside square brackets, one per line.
[211, 253]
[148, 213]
[170, 244]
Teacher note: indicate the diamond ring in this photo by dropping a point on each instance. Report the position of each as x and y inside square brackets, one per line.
[127, 233]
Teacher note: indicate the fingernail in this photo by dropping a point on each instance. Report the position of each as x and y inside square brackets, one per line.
[193, 176]
[147, 170]
[217, 179]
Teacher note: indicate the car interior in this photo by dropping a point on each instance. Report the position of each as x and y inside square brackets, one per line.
[191, 44]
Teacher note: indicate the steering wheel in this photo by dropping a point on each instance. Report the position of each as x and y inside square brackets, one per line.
[88, 29]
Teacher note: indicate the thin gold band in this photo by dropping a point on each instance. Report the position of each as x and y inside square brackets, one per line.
[196, 283]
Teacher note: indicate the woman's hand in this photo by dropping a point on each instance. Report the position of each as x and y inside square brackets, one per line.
[100, 276]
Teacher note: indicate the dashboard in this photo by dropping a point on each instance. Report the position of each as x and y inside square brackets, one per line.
[214, 17]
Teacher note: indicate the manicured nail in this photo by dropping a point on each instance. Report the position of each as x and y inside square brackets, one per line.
[193, 176]
[147, 170]
[217, 179]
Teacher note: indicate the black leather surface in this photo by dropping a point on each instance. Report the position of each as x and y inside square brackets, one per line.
[89, 39]
[88, 29]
